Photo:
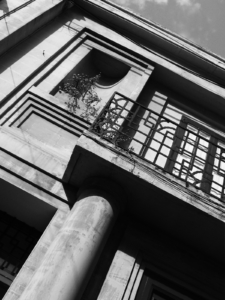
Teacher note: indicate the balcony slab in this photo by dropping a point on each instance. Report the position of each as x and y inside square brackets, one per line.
[164, 201]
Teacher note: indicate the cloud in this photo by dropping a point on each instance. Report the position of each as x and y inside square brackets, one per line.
[187, 32]
[184, 2]
[187, 35]
[122, 2]
[160, 1]
[140, 3]
[191, 6]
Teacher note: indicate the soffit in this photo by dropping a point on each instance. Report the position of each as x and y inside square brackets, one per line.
[182, 217]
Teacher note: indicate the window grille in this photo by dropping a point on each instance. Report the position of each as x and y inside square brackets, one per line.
[17, 240]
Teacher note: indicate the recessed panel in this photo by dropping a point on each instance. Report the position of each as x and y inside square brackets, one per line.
[49, 133]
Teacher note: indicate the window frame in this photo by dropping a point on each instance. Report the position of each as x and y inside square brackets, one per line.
[154, 283]
[211, 153]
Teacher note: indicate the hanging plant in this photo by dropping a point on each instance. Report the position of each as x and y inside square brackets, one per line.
[81, 89]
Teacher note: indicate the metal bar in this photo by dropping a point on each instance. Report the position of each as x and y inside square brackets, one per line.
[183, 152]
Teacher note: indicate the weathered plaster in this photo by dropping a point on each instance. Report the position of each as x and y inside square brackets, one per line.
[119, 273]
[25, 21]
[38, 168]
[75, 250]
[33, 189]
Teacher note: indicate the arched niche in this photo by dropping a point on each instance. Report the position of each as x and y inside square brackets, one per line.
[97, 62]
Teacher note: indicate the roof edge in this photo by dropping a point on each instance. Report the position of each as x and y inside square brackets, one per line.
[200, 50]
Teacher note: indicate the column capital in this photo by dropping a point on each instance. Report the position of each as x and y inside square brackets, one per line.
[105, 187]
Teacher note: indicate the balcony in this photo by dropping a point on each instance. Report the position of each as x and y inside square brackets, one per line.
[184, 148]
[140, 150]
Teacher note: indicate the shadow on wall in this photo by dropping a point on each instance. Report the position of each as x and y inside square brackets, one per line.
[27, 46]
[3, 7]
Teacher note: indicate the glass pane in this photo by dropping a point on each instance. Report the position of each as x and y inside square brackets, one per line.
[192, 157]
[218, 184]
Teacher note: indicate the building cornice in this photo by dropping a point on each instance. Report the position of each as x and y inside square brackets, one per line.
[153, 28]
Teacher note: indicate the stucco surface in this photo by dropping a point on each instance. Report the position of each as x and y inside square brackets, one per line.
[40, 157]
[22, 61]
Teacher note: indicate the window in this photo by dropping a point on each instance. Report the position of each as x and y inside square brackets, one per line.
[157, 295]
[198, 157]
[155, 287]
[17, 240]
[168, 138]
[182, 146]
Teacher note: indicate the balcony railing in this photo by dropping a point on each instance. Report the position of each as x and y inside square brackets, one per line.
[184, 149]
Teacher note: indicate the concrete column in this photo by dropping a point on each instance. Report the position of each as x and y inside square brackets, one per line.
[69, 262]
[37, 255]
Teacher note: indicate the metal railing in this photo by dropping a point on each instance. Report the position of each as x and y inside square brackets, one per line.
[16, 9]
[184, 149]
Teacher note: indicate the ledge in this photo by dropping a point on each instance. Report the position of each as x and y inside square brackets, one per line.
[152, 175]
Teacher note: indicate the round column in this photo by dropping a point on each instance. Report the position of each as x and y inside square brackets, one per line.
[70, 260]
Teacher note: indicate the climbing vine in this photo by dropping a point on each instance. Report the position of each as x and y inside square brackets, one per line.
[81, 89]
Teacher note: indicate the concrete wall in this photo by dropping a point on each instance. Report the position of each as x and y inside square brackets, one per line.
[30, 73]
[42, 155]
[24, 59]
[17, 26]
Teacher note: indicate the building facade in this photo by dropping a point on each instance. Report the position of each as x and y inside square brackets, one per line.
[126, 204]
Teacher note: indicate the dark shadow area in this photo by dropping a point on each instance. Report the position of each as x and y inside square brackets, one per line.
[67, 16]
[71, 193]
[13, 55]
[23, 219]
[3, 289]
[100, 272]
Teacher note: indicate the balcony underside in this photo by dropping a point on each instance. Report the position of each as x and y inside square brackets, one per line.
[153, 197]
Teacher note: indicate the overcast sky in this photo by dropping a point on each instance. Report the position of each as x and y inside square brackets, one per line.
[201, 21]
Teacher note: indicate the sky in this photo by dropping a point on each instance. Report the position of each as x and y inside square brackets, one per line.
[200, 21]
